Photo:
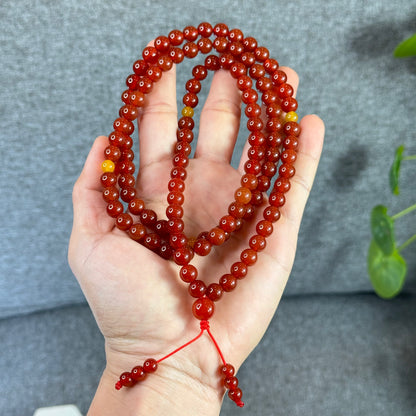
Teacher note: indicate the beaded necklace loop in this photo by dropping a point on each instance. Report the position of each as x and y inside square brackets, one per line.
[273, 139]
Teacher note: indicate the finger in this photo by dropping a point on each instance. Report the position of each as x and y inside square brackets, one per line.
[220, 119]
[158, 121]
[292, 80]
[89, 206]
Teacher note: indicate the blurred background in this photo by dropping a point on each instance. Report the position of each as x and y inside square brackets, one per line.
[333, 348]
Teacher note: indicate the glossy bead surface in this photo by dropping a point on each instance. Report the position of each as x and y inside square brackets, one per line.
[197, 289]
[137, 373]
[188, 273]
[203, 308]
[214, 292]
[216, 236]
[257, 242]
[150, 365]
[228, 282]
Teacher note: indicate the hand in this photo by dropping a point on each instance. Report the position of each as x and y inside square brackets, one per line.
[140, 304]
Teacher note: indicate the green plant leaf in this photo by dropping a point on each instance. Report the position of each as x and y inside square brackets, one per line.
[395, 170]
[406, 48]
[387, 272]
[382, 229]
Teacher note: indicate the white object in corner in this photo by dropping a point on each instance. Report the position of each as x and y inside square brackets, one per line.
[67, 410]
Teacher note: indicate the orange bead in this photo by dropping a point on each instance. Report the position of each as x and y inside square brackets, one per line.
[242, 195]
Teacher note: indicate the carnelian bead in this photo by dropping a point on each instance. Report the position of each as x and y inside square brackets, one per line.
[236, 35]
[140, 67]
[228, 282]
[161, 227]
[205, 29]
[128, 193]
[175, 225]
[108, 166]
[123, 125]
[132, 81]
[257, 71]
[257, 242]
[202, 247]
[227, 223]
[112, 153]
[289, 104]
[187, 122]
[269, 169]
[236, 49]
[235, 395]
[129, 112]
[254, 124]
[154, 73]
[271, 65]
[263, 183]
[272, 154]
[150, 54]
[221, 29]
[256, 138]
[164, 63]
[124, 221]
[199, 72]
[282, 185]
[291, 128]
[204, 45]
[110, 194]
[137, 231]
[256, 153]
[279, 77]
[277, 199]
[256, 197]
[250, 43]
[145, 85]
[288, 156]
[126, 380]
[252, 110]
[249, 96]
[214, 292]
[220, 44]
[190, 99]
[184, 148]
[271, 214]
[286, 170]
[190, 49]
[264, 84]
[115, 209]
[245, 83]
[227, 370]
[264, 228]
[162, 44]
[242, 195]
[197, 288]
[237, 70]
[236, 209]
[138, 373]
[185, 135]
[165, 251]
[180, 160]
[285, 90]
[177, 55]
[226, 60]
[108, 179]
[248, 256]
[249, 214]
[178, 240]
[127, 154]
[136, 206]
[203, 309]
[216, 236]
[291, 142]
[183, 255]
[269, 97]
[136, 98]
[231, 383]
[175, 37]
[193, 85]
[252, 166]
[212, 63]
[150, 365]
[273, 110]
[152, 241]
[174, 211]
[176, 185]
[127, 166]
[261, 53]
[148, 217]
[190, 33]
[188, 273]
[239, 270]
[248, 59]
[175, 198]
[274, 124]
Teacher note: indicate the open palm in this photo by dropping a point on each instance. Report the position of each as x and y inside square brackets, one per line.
[141, 306]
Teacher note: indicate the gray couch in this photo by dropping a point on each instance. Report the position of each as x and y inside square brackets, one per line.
[333, 348]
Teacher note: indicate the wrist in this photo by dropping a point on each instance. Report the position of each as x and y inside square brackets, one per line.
[176, 388]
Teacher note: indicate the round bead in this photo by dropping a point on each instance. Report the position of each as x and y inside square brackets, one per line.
[124, 221]
[249, 256]
[137, 232]
[257, 242]
[138, 373]
[227, 370]
[197, 289]
[271, 214]
[203, 308]
[264, 228]
[126, 380]
[242, 195]
[188, 273]
[114, 209]
[150, 365]
[231, 383]
[214, 292]
[216, 236]
[108, 166]
[190, 33]
[188, 111]
[228, 282]
[239, 270]
[183, 255]
[202, 247]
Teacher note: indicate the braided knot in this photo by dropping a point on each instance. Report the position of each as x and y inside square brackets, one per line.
[204, 325]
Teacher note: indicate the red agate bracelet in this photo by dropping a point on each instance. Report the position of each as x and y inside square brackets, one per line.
[272, 122]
